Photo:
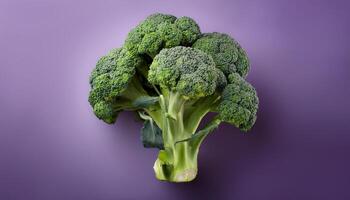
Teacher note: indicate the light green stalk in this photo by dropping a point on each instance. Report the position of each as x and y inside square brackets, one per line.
[178, 161]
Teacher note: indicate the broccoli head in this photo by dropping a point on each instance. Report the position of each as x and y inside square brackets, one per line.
[173, 76]
[112, 76]
[160, 31]
[228, 55]
[239, 103]
[185, 70]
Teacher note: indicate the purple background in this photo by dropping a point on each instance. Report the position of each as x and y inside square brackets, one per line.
[52, 147]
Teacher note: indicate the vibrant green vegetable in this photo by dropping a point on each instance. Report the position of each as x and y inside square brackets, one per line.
[173, 76]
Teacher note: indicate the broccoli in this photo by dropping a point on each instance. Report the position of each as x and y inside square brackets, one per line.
[172, 76]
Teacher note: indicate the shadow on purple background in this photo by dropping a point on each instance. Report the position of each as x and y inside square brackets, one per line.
[52, 147]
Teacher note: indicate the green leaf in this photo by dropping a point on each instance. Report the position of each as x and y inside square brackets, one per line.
[145, 101]
[151, 135]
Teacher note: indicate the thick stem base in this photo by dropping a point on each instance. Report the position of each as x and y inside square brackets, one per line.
[177, 176]
[169, 173]
[176, 165]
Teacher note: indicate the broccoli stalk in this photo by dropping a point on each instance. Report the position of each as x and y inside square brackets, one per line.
[177, 162]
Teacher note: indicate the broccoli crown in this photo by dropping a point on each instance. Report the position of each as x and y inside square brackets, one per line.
[189, 71]
[239, 103]
[227, 54]
[109, 79]
[159, 31]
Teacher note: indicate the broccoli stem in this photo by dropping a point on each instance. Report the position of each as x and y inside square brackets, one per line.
[178, 161]
[198, 109]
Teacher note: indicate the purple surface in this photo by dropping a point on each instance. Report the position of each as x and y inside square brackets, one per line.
[52, 147]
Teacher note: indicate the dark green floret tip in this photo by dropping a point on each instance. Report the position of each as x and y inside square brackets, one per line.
[109, 81]
[105, 111]
[105, 64]
[239, 103]
[189, 28]
[160, 31]
[188, 71]
[227, 54]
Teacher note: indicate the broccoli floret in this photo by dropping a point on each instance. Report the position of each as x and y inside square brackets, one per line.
[185, 70]
[228, 55]
[105, 110]
[239, 103]
[189, 28]
[160, 31]
[113, 75]
[173, 80]
[105, 64]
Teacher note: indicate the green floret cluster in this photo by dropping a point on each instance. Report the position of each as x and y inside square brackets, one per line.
[160, 31]
[239, 103]
[112, 76]
[226, 52]
[172, 76]
[185, 70]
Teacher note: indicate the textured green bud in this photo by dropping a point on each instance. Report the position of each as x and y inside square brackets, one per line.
[110, 79]
[189, 71]
[227, 54]
[239, 103]
[189, 29]
[106, 64]
[160, 31]
[104, 111]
